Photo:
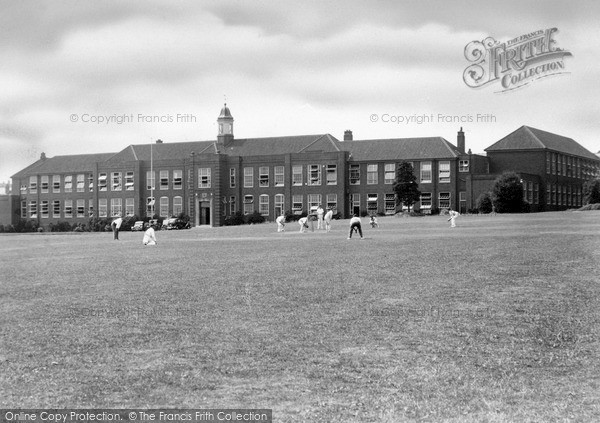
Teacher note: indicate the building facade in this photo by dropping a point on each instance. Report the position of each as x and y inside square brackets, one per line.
[211, 180]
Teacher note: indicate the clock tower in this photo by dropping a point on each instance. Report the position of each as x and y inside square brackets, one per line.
[225, 122]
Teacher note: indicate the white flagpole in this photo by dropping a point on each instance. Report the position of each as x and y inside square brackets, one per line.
[153, 182]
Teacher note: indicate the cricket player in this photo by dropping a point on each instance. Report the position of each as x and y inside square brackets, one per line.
[320, 213]
[452, 219]
[328, 217]
[149, 236]
[355, 223]
[280, 223]
[116, 225]
[303, 222]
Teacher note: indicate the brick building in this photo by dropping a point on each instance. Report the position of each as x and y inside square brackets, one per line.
[210, 180]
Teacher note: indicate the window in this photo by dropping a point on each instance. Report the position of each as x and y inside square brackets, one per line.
[331, 174]
[564, 166]
[426, 172]
[332, 201]
[263, 205]
[279, 204]
[68, 209]
[530, 192]
[232, 209]
[102, 181]
[164, 179]
[91, 182]
[23, 189]
[116, 207]
[164, 207]
[177, 179]
[80, 208]
[444, 171]
[150, 175]
[129, 207]
[554, 163]
[297, 204]
[314, 201]
[68, 183]
[80, 182]
[248, 178]
[248, 203]
[426, 200]
[91, 208]
[578, 164]
[116, 184]
[129, 181]
[44, 184]
[44, 208]
[548, 195]
[462, 196]
[33, 186]
[553, 195]
[232, 177]
[177, 205]
[102, 207]
[56, 208]
[354, 174]
[444, 200]
[463, 165]
[204, 180]
[390, 203]
[24, 209]
[279, 176]
[150, 201]
[297, 175]
[372, 174]
[355, 203]
[56, 184]
[314, 175]
[372, 203]
[33, 209]
[390, 173]
[263, 176]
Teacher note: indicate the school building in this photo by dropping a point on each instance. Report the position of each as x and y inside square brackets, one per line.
[211, 180]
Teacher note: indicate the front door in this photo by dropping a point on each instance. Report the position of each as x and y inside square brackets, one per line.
[204, 213]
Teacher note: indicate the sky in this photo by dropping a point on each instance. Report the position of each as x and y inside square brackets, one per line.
[82, 77]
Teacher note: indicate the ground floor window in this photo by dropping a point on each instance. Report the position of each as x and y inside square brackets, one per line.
[150, 206]
[129, 207]
[425, 200]
[248, 204]
[279, 205]
[23, 209]
[68, 209]
[102, 207]
[332, 201]
[177, 206]
[33, 209]
[232, 204]
[263, 205]
[355, 204]
[314, 201]
[116, 207]
[390, 203]
[91, 208]
[56, 208]
[44, 208]
[80, 208]
[444, 200]
[297, 204]
[372, 203]
[164, 207]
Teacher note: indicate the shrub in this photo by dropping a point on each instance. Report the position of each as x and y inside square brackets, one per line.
[507, 194]
[60, 227]
[255, 217]
[235, 219]
[484, 203]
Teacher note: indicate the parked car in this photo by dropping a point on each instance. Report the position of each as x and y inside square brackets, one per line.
[138, 226]
[175, 223]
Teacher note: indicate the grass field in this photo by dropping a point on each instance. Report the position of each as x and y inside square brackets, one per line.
[495, 320]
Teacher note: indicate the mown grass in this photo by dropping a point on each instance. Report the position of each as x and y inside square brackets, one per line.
[495, 320]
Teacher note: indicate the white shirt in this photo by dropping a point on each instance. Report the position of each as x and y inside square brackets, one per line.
[303, 221]
[354, 220]
[329, 215]
[149, 237]
[117, 222]
[320, 211]
[280, 219]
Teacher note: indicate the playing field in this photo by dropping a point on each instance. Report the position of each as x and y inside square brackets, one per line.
[495, 320]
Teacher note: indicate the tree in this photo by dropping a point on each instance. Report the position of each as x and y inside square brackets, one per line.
[484, 203]
[405, 186]
[507, 194]
[591, 191]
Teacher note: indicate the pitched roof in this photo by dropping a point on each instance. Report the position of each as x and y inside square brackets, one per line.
[281, 145]
[401, 149]
[64, 164]
[163, 151]
[527, 138]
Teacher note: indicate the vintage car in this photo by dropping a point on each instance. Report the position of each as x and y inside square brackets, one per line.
[138, 226]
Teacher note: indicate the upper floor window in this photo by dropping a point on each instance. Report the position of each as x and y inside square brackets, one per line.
[177, 179]
[297, 175]
[68, 183]
[129, 181]
[56, 184]
[425, 172]
[116, 181]
[463, 165]
[204, 178]
[390, 173]
[44, 184]
[372, 174]
[444, 171]
[263, 176]
[80, 182]
[354, 174]
[164, 180]
[248, 177]
[314, 174]
[33, 185]
[232, 177]
[331, 174]
[279, 176]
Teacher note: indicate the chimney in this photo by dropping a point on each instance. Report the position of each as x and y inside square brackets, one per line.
[460, 141]
[43, 156]
[159, 141]
[348, 135]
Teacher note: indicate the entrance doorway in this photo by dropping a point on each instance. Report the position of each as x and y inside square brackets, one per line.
[204, 215]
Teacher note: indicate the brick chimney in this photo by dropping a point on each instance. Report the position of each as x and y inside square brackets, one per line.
[159, 141]
[43, 156]
[460, 141]
[348, 135]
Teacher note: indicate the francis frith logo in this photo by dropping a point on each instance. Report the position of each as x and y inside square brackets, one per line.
[514, 63]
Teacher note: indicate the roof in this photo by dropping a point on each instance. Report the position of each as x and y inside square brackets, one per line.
[163, 151]
[64, 164]
[225, 113]
[527, 138]
[401, 149]
[282, 145]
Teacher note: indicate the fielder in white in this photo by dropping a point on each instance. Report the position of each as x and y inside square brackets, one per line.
[328, 217]
[149, 236]
[280, 223]
[320, 213]
[303, 222]
[452, 219]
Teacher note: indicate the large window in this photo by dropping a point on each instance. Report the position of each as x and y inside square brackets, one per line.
[116, 207]
[444, 171]
[463, 165]
[102, 207]
[248, 204]
[164, 179]
[164, 207]
[129, 206]
[314, 174]
[248, 178]
[204, 178]
[355, 203]
[354, 174]
[331, 174]
[426, 172]
[44, 183]
[150, 175]
[56, 184]
[279, 176]
[91, 208]
[129, 181]
[444, 200]
[33, 186]
[81, 208]
[177, 205]
[116, 184]
[44, 206]
[390, 173]
[263, 177]
[372, 203]
[297, 204]
[80, 182]
[33, 209]
[297, 175]
[263, 205]
[232, 205]
[68, 209]
[390, 203]
[279, 205]
[426, 200]
[332, 201]
[55, 208]
[91, 182]
[314, 201]
[150, 203]
[372, 174]
[232, 177]
[69, 183]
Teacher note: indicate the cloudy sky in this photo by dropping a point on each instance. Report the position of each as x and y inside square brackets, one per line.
[284, 67]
